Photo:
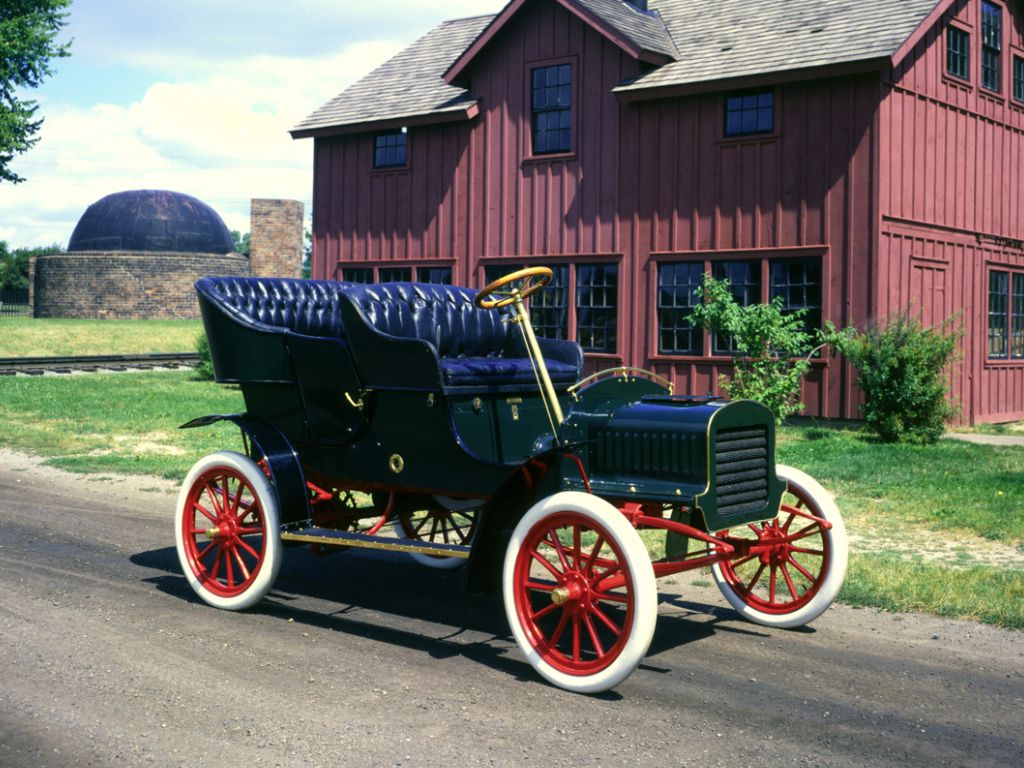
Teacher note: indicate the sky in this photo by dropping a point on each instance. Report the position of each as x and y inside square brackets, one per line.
[197, 96]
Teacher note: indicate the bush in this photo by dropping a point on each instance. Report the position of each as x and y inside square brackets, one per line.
[900, 370]
[204, 370]
[772, 347]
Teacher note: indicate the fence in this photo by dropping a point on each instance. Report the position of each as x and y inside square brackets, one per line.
[14, 303]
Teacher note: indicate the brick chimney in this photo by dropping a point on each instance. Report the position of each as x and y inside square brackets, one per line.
[275, 238]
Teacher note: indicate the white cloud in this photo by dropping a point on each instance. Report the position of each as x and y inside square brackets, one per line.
[222, 138]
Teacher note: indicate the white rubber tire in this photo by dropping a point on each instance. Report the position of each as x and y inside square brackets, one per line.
[270, 563]
[446, 563]
[819, 503]
[644, 589]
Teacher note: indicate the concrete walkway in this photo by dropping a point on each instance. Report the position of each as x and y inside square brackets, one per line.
[970, 437]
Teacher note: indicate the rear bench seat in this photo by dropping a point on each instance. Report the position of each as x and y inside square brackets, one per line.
[397, 331]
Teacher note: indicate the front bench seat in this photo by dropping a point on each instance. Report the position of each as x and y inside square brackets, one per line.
[422, 335]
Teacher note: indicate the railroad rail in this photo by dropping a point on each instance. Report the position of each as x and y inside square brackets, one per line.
[36, 366]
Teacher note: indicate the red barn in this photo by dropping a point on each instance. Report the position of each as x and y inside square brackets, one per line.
[857, 158]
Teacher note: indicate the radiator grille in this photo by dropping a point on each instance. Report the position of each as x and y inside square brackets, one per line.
[741, 464]
[670, 455]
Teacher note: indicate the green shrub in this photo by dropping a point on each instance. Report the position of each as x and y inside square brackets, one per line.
[204, 371]
[901, 372]
[773, 347]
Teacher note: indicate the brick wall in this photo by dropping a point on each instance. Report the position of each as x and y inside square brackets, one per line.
[275, 231]
[119, 285]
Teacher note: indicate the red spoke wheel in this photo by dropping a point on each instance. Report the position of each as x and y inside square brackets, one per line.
[227, 533]
[579, 592]
[787, 571]
[447, 521]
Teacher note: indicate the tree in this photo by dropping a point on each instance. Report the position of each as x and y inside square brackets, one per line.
[14, 264]
[242, 242]
[28, 29]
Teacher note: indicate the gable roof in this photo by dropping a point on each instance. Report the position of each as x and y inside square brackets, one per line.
[711, 41]
[726, 39]
[406, 90]
[642, 34]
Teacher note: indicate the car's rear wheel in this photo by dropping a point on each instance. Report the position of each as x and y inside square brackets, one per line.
[580, 592]
[799, 565]
[226, 531]
[444, 521]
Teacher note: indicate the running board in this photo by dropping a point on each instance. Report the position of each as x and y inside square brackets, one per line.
[349, 539]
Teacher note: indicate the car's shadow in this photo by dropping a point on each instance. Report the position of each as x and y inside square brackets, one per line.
[361, 582]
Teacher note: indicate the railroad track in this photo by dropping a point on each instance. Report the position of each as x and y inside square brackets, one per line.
[36, 366]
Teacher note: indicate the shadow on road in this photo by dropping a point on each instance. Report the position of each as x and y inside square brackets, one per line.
[370, 588]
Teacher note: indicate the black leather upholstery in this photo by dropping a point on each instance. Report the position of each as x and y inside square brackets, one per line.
[309, 307]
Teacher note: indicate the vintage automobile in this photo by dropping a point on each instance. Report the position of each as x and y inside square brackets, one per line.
[430, 420]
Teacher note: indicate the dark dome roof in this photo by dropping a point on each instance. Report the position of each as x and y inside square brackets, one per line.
[151, 220]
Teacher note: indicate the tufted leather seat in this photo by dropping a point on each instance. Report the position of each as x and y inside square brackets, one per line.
[476, 347]
[307, 307]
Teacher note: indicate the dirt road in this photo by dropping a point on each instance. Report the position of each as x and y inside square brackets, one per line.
[107, 659]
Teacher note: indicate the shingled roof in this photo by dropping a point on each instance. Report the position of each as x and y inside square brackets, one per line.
[723, 39]
[700, 41]
[406, 89]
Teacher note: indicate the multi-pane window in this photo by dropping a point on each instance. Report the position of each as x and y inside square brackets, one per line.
[991, 45]
[436, 275]
[677, 286]
[745, 284]
[796, 281]
[357, 274]
[958, 53]
[597, 299]
[394, 274]
[389, 149]
[1018, 79]
[551, 102]
[1006, 315]
[549, 307]
[750, 113]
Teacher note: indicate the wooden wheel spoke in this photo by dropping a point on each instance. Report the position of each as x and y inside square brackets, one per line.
[593, 635]
[771, 583]
[757, 576]
[557, 634]
[612, 626]
[555, 542]
[228, 567]
[789, 582]
[245, 545]
[594, 552]
[545, 562]
[803, 571]
[803, 533]
[212, 493]
[575, 639]
[805, 551]
[540, 586]
[197, 506]
[241, 564]
[549, 608]
[609, 597]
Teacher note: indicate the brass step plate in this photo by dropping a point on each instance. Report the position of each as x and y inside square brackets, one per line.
[349, 539]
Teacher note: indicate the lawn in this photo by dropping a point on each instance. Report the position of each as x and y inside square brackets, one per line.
[44, 337]
[937, 529]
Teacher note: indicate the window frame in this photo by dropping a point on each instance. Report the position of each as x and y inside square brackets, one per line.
[757, 132]
[765, 257]
[987, 50]
[966, 76]
[1012, 314]
[404, 165]
[529, 153]
[375, 267]
[1017, 70]
[572, 265]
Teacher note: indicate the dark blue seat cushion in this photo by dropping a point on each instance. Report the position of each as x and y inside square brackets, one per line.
[501, 371]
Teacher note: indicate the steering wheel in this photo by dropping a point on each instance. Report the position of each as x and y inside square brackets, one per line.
[530, 280]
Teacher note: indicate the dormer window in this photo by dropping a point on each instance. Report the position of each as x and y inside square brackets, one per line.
[389, 149]
[747, 114]
[551, 102]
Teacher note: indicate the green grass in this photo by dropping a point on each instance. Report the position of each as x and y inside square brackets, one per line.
[125, 422]
[991, 595]
[31, 337]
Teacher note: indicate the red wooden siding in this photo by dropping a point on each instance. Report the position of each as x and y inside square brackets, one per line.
[950, 168]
